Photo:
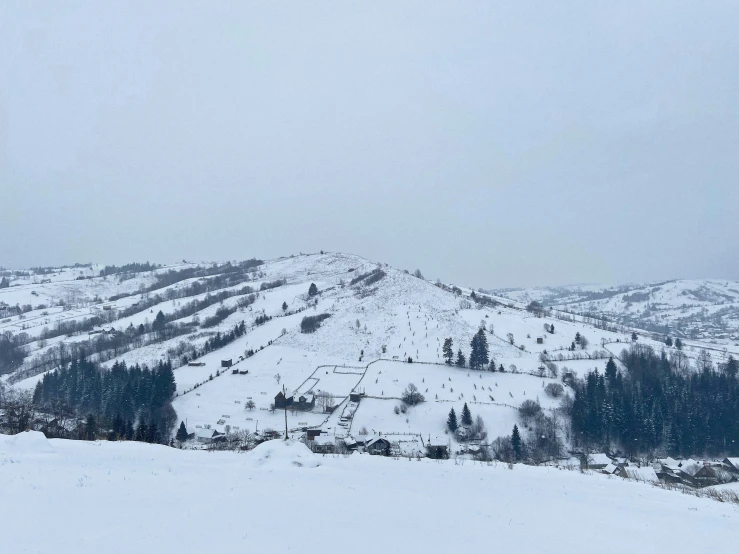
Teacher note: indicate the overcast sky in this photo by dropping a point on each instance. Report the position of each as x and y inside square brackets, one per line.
[487, 143]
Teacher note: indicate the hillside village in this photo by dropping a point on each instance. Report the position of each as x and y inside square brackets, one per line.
[339, 352]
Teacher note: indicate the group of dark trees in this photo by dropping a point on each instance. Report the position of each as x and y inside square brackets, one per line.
[219, 340]
[678, 343]
[479, 353]
[466, 428]
[311, 323]
[657, 404]
[12, 352]
[132, 403]
[134, 267]
[369, 278]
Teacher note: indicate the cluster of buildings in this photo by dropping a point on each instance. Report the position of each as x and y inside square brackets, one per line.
[410, 444]
[692, 473]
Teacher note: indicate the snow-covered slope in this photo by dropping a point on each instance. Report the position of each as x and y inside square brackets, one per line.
[700, 309]
[78, 498]
[363, 346]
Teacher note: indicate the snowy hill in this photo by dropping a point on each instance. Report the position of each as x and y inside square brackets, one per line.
[375, 318]
[699, 309]
[280, 497]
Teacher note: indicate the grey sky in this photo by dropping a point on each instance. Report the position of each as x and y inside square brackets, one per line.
[487, 143]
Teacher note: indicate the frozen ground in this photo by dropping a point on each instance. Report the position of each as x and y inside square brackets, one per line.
[85, 498]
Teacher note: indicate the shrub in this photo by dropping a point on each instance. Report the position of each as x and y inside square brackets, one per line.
[528, 409]
[412, 396]
[555, 390]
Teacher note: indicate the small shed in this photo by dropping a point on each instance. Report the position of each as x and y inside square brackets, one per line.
[437, 448]
[539, 340]
[226, 363]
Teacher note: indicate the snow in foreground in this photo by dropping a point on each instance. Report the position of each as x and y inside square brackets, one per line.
[65, 496]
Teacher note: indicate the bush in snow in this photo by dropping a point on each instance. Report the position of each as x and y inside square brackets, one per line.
[555, 390]
[412, 396]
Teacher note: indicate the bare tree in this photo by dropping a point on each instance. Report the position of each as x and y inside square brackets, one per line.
[555, 390]
[510, 337]
[250, 405]
[412, 396]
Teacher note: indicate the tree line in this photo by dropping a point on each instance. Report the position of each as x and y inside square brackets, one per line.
[131, 402]
[659, 404]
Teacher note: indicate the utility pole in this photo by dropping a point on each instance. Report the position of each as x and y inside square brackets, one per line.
[285, 395]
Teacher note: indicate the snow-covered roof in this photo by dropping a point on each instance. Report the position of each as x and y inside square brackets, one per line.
[733, 461]
[641, 473]
[205, 433]
[324, 439]
[373, 440]
[610, 468]
[599, 459]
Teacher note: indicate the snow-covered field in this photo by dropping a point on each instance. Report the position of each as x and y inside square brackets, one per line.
[79, 498]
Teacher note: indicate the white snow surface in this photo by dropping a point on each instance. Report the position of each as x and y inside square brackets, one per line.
[87, 498]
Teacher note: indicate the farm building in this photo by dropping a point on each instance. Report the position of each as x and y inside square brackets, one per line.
[597, 461]
[226, 363]
[645, 473]
[378, 446]
[281, 401]
[731, 464]
[437, 448]
[323, 444]
[208, 436]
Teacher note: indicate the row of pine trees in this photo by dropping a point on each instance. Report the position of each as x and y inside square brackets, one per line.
[653, 406]
[124, 402]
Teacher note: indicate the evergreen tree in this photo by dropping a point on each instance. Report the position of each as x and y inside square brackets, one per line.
[516, 443]
[466, 416]
[159, 323]
[479, 354]
[182, 432]
[551, 328]
[491, 367]
[668, 341]
[461, 360]
[284, 306]
[312, 290]
[577, 338]
[451, 421]
[678, 344]
[447, 351]
[731, 367]
[90, 428]
[129, 432]
[634, 336]
[611, 370]
[152, 435]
